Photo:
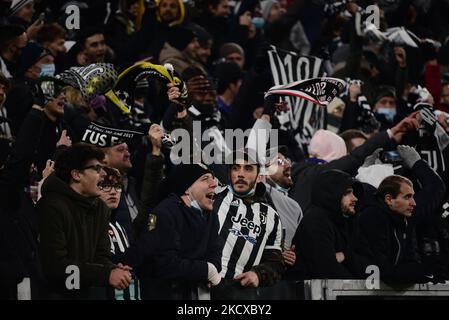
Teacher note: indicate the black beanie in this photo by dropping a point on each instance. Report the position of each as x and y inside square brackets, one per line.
[31, 54]
[180, 37]
[384, 91]
[184, 175]
[203, 36]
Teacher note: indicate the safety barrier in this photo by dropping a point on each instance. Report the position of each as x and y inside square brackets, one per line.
[360, 289]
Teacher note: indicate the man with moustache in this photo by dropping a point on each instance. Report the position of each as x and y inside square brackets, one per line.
[387, 224]
[251, 231]
[323, 239]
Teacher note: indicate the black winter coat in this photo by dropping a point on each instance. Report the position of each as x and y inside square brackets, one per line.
[325, 231]
[73, 231]
[387, 239]
[187, 240]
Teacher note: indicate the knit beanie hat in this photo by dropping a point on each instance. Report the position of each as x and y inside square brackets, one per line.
[180, 37]
[265, 7]
[231, 47]
[16, 5]
[384, 91]
[31, 54]
[184, 175]
[327, 146]
[203, 36]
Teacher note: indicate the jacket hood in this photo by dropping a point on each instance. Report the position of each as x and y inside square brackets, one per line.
[169, 52]
[54, 185]
[181, 17]
[329, 187]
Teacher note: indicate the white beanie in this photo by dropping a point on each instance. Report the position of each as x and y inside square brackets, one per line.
[265, 7]
[16, 5]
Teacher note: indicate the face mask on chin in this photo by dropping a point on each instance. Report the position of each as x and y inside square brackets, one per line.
[244, 195]
[195, 205]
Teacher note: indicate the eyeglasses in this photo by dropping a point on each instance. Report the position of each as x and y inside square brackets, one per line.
[108, 187]
[283, 162]
[96, 167]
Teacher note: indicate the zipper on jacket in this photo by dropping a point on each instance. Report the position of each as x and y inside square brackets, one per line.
[399, 247]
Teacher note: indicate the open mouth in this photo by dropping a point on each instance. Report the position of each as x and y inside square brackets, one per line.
[210, 196]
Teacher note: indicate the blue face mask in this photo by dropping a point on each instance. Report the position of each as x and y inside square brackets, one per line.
[389, 113]
[195, 205]
[283, 190]
[246, 195]
[258, 22]
[48, 70]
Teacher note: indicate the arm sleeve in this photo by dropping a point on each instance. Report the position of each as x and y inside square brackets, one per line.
[351, 162]
[320, 252]
[430, 198]
[153, 175]
[215, 246]
[271, 266]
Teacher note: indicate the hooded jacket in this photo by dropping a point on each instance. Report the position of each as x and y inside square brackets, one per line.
[325, 231]
[179, 59]
[73, 231]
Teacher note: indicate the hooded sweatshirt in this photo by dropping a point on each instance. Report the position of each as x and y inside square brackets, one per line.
[325, 231]
[73, 232]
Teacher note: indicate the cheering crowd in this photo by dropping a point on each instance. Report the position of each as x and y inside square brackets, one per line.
[95, 202]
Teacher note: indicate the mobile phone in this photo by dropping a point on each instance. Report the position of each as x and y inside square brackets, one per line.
[391, 157]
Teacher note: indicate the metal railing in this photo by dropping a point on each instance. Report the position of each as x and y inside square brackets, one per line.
[358, 289]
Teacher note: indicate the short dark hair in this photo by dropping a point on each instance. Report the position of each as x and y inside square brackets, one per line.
[75, 157]
[87, 33]
[227, 73]
[350, 134]
[8, 34]
[50, 32]
[392, 185]
[248, 155]
[113, 176]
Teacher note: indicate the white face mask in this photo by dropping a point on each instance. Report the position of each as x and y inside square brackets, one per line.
[389, 113]
[48, 70]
